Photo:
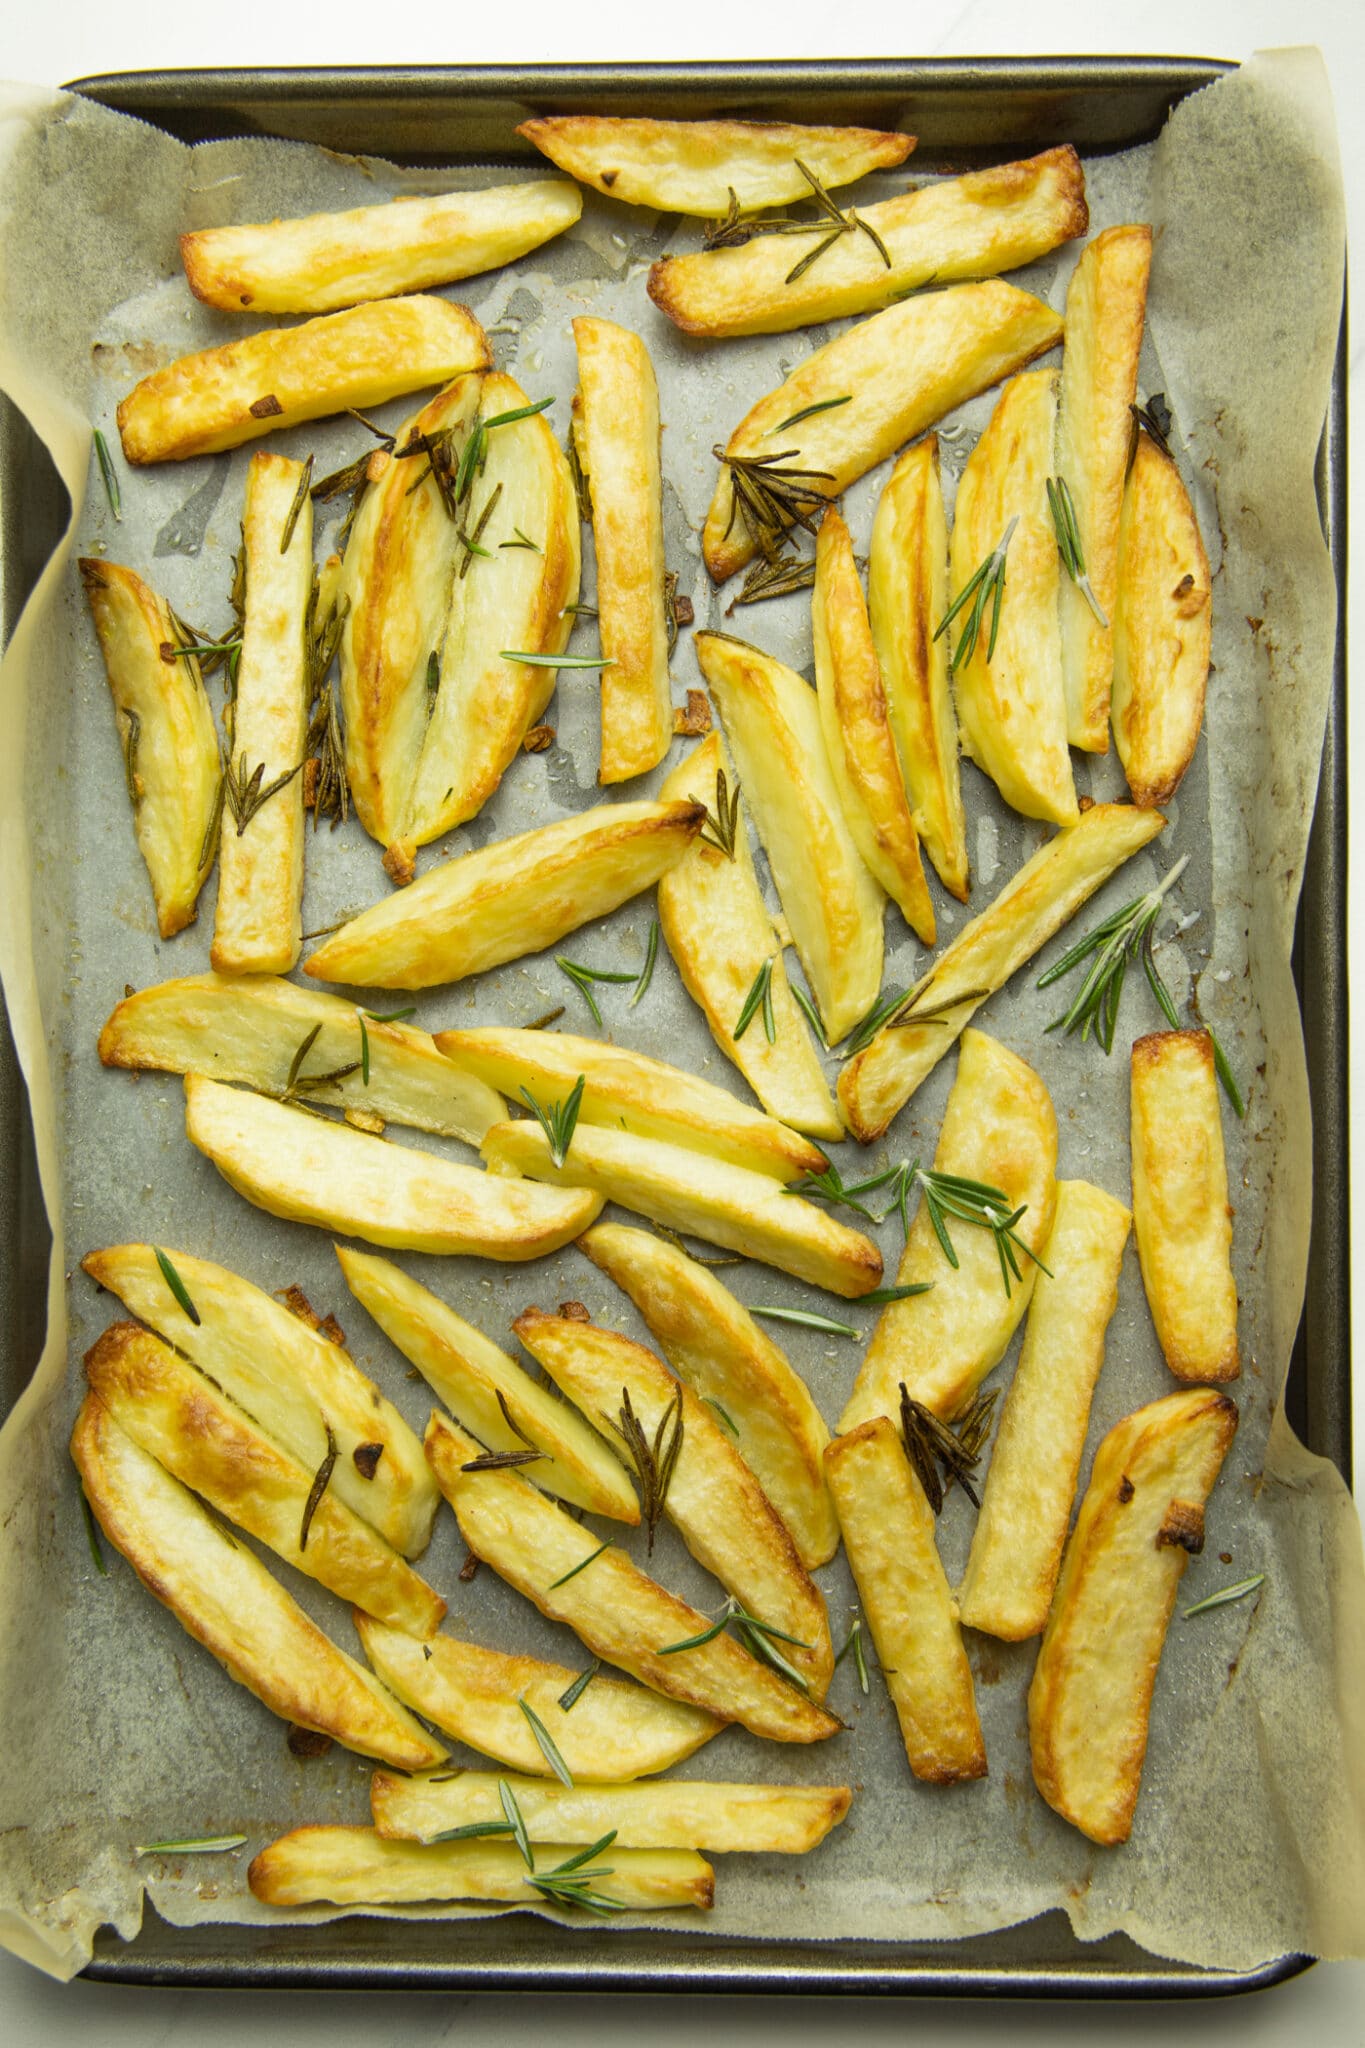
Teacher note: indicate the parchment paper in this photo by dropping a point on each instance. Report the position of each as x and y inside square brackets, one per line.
[119, 1730]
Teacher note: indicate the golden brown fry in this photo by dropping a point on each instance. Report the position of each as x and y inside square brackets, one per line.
[1181, 1217]
[1163, 624]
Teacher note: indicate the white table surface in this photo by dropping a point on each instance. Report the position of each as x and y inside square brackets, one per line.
[48, 43]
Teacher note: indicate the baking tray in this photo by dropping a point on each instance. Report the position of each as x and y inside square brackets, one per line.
[964, 113]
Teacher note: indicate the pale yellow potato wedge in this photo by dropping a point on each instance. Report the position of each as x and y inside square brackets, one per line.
[999, 1128]
[1182, 1219]
[615, 1729]
[631, 1092]
[296, 1383]
[900, 371]
[1106, 305]
[622, 1615]
[311, 1170]
[469, 1373]
[713, 1343]
[1163, 628]
[717, 927]
[892, 1550]
[283, 376]
[327, 260]
[257, 923]
[1048, 889]
[1011, 705]
[713, 1500]
[1036, 1458]
[1090, 1701]
[833, 906]
[698, 1196]
[616, 433]
[959, 228]
[907, 595]
[516, 896]
[165, 728]
[222, 1594]
[695, 166]
[856, 724]
[183, 1420]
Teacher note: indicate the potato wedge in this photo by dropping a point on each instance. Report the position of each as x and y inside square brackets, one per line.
[713, 1499]
[945, 233]
[1036, 1459]
[225, 1598]
[1182, 1219]
[999, 1128]
[900, 371]
[832, 904]
[514, 897]
[328, 260]
[475, 1379]
[1163, 628]
[698, 167]
[614, 1730]
[1106, 304]
[311, 1170]
[892, 1549]
[184, 1421]
[623, 1616]
[859, 741]
[713, 1343]
[717, 927]
[1048, 889]
[701, 1197]
[616, 433]
[165, 728]
[1090, 1701]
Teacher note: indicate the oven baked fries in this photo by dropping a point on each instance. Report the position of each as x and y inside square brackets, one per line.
[1181, 1216]
[1143, 1513]
[283, 376]
[327, 260]
[166, 732]
[1163, 628]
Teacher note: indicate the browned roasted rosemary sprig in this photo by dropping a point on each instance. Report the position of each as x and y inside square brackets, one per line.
[772, 500]
[653, 1462]
[299, 1084]
[830, 222]
[775, 577]
[321, 1479]
[243, 790]
[940, 1456]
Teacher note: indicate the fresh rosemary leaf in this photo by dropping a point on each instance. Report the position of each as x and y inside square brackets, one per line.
[519, 540]
[109, 476]
[546, 1018]
[583, 977]
[863, 1034]
[512, 1422]
[968, 1201]
[320, 1482]
[708, 1635]
[581, 1566]
[515, 1823]
[1114, 942]
[521, 412]
[392, 1016]
[1225, 1596]
[471, 542]
[647, 971]
[572, 1694]
[809, 411]
[881, 1295]
[799, 269]
[547, 1747]
[654, 1463]
[854, 1641]
[501, 1461]
[760, 996]
[364, 1050]
[811, 1319]
[829, 1187]
[809, 1012]
[1068, 532]
[292, 516]
[915, 1009]
[559, 1120]
[559, 660]
[986, 586]
[195, 1845]
[722, 823]
[472, 1831]
[579, 611]
[177, 1286]
[569, 1884]
[92, 1536]
[1225, 1074]
[723, 1413]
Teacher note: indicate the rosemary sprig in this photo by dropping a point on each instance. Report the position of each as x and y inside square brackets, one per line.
[546, 1744]
[941, 1456]
[915, 1009]
[109, 476]
[1155, 417]
[808, 412]
[777, 577]
[760, 996]
[654, 1462]
[583, 977]
[321, 1478]
[558, 660]
[570, 1884]
[772, 500]
[244, 793]
[325, 742]
[192, 645]
[885, 1007]
[757, 1636]
[854, 1641]
[572, 1694]
[730, 232]
[969, 1201]
[986, 586]
[299, 1084]
[177, 1286]
[92, 1535]
[1225, 1596]
[581, 1566]
[1113, 943]
[647, 971]
[292, 516]
[829, 1187]
[1067, 528]
[723, 823]
[195, 1845]
[809, 1318]
[472, 543]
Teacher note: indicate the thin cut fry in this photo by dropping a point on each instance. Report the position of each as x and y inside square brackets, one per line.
[1181, 1216]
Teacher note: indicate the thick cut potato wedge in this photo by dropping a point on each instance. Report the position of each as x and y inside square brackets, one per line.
[1163, 628]
[283, 376]
[616, 433]
[698, 167]
[615, 1730]
[900, 371]
[717, 927]
[713, 1499]
[257, 926]
[1048, 889]
[311, 1170]
[856, 723]
[1091, 1697]
[1011, 705]
[833, 906]
[945, 233]
[184, 1421]
[517, 896]
[327, 260]
[713, 1343]
[1106, 304]
[907, 595]
[223, 1595]
[1036, 1459]
[700, 1197]
[892, 1549]
[999, 1128]
[622, 1615]
[475, 1379]
[165, 728]
[1181, 1216]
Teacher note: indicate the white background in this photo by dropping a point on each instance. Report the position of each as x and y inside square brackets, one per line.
[62, 39]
